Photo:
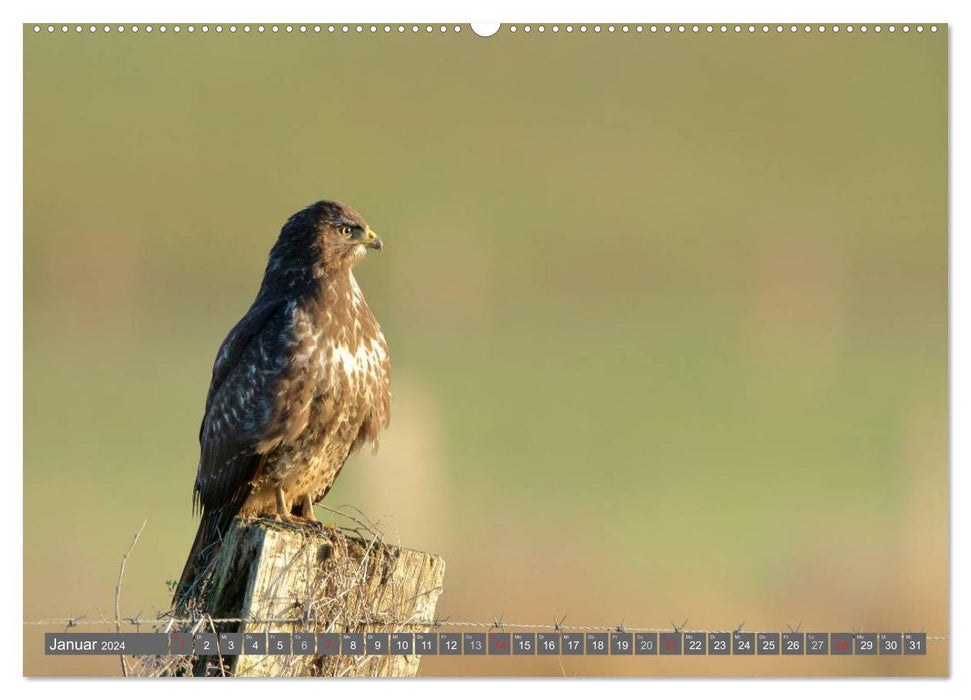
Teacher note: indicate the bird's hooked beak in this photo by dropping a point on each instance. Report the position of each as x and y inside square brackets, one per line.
[370, 240]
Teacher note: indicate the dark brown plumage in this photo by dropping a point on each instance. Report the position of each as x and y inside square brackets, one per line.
[299, 384]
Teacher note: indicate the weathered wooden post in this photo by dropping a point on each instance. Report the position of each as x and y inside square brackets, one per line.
[285, 579]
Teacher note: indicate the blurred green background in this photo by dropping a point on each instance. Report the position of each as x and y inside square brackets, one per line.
[667, 313]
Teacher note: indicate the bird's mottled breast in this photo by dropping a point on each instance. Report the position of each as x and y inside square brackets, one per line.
[335, 395]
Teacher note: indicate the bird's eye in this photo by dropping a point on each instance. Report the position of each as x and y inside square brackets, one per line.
[346, 230]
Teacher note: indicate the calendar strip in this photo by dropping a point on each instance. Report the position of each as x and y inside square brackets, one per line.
[490, 644]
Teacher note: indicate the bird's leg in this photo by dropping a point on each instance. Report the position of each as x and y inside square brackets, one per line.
[308, 507]
[307, 511]
[282, 512]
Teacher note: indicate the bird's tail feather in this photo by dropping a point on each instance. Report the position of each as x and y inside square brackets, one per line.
[205, 547]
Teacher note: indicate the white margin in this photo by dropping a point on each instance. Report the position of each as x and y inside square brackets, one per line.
[507, 11]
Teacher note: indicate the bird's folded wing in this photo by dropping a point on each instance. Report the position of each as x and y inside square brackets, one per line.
[241, 402]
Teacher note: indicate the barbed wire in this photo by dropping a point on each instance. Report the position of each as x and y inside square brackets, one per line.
[498, 624]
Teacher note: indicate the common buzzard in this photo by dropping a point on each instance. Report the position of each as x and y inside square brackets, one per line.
[299, 384]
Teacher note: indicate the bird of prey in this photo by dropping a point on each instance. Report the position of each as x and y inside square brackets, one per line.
[299, 384]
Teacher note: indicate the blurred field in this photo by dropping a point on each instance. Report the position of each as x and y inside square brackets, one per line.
[668, 317]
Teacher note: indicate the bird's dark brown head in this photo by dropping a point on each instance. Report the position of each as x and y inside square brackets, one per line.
[323, 238]
[344, 235]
